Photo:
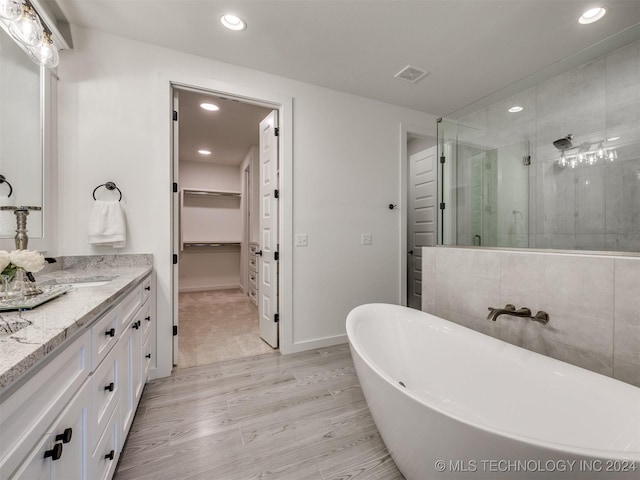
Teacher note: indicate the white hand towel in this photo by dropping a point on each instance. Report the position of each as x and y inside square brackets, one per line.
[7, 217]
[107, 225]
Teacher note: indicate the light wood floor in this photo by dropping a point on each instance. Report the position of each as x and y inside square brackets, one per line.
[271, 416]
[217, 325]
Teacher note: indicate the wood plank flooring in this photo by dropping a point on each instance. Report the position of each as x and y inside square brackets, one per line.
[271, 416]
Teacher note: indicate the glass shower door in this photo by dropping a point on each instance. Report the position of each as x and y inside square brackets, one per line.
[499, 194]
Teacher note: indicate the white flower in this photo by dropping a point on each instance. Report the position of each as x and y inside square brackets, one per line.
[4, 259]
[30, 260]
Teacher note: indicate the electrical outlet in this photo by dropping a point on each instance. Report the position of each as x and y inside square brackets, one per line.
[302, 240]
[367, 239]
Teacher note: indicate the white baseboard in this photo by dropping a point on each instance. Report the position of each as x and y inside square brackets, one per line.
[318, 343]
[204, 288]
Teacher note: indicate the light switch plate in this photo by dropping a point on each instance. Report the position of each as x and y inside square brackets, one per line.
[367, 239]
[302, 240]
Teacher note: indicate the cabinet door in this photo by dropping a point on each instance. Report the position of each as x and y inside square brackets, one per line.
[60, 455]
[73, 462]
[131, 372]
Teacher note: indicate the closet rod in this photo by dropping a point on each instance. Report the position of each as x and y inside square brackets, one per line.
[212, 193]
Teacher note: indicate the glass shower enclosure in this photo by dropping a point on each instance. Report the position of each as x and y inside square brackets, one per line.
[483, 189]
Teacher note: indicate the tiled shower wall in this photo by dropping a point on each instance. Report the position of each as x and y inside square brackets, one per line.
[587, 208]
[593, 302]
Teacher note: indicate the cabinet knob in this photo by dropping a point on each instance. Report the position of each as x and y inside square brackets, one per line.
[111, 332]
[148, 289]
[55, 453]
[148, 355]
[148, 318]
[110, 387]
[259, 252]
[110, 455]
[136, 325]
[65, 437]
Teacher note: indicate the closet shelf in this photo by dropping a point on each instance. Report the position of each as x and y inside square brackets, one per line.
[213, 193]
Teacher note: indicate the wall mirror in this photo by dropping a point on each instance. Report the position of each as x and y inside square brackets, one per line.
[21, 139]
[555, 165]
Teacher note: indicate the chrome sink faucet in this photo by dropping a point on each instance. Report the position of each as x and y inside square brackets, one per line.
[494, 313]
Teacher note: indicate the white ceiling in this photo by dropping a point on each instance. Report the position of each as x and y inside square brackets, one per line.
[227, 133]
[474, 49]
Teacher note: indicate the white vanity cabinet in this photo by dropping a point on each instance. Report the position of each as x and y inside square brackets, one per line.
[70, 419]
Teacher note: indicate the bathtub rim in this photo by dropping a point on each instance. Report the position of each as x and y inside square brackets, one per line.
[614, 455]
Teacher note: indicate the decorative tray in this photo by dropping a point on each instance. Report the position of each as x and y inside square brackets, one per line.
[49, 292]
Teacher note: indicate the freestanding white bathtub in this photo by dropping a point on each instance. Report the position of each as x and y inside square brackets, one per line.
[474, 407]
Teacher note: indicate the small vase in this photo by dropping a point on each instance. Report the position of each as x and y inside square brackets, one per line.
[20, 286]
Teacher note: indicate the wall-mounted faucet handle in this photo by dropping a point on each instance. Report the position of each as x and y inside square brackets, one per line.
[542, 317]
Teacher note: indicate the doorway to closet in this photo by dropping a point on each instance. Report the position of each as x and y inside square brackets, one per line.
[225, 163]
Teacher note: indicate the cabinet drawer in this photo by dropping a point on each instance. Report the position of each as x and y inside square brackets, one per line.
[146, 360]
[253, 294]
[253, 280]
[28, 413]
[146, 288]
[253, 248]
[105, 457]
[105, 393]
[104, 335]
[146, 319]
[253, 264]
[129, 306]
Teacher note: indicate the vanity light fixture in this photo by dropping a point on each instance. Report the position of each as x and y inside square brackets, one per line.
[27, 28]
[515, 109]
[23, 23]
[10, 9]
[233, 22]
[209, 107]
[592, 15]
[204, 152]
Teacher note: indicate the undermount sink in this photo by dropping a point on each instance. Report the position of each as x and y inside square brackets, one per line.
[9, 327]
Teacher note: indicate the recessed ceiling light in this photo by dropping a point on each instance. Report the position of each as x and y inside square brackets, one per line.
[516, 109]
[233, 22]
[592, 15]
[210, 106]
[613, 139]
[204, 152]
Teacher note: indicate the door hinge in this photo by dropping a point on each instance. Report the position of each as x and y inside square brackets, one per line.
[442, 159]
[276, 193]
[175, 187]
[276, 256]
[175, 259]
[175, 330]
[175, 115]
[276, 318]
[276, 131]
[526, 160]
[442, 206]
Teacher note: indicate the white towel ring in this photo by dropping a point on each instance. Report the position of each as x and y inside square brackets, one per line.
[108, 186]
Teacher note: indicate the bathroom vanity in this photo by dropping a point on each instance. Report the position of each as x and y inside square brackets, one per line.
[72, 374]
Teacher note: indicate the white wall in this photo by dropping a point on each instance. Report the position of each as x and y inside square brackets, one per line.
[211, 219]
[346, 170]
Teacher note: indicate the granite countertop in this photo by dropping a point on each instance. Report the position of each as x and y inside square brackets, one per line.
[50, 324]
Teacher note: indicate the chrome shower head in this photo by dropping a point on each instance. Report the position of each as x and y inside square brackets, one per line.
[564, 143]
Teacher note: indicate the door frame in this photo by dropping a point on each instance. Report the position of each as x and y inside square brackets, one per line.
[405, 130]
[166, 81]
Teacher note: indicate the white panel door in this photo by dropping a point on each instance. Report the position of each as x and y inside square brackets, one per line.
[421, 219]
[176, 221]
[268, 269]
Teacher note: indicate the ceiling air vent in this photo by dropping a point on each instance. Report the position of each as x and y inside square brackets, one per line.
[411, 74]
